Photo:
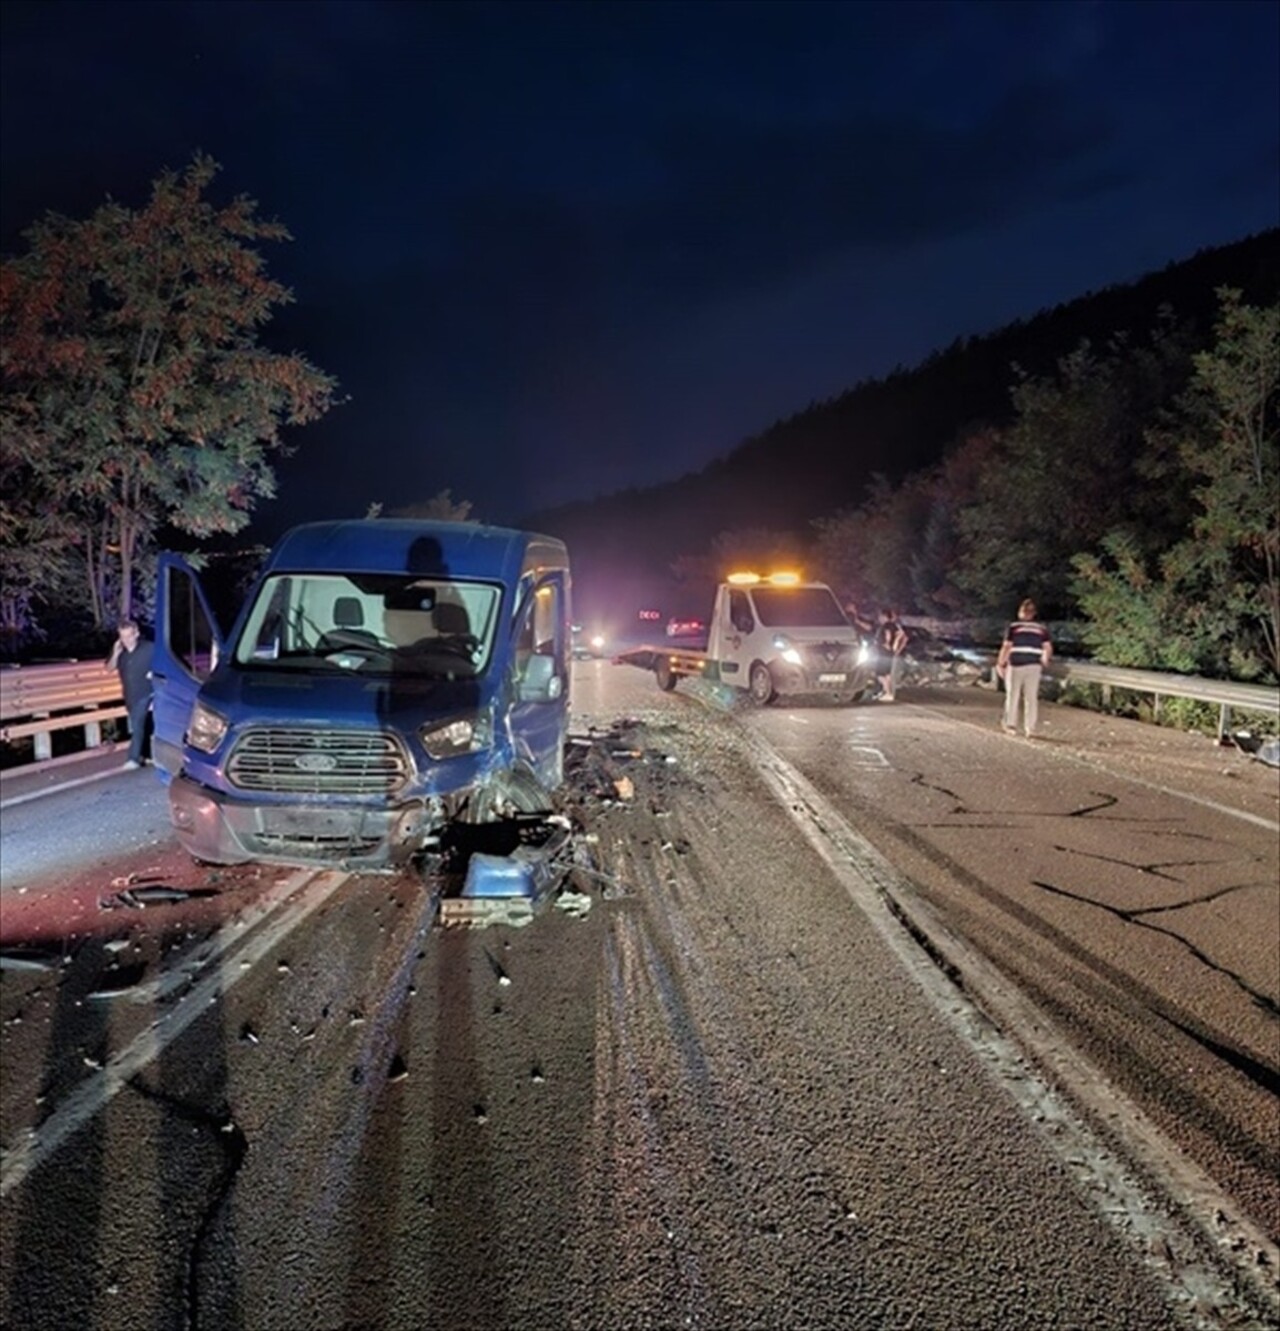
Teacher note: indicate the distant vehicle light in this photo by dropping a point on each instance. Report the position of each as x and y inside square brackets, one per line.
[686, 628]
[650, 615]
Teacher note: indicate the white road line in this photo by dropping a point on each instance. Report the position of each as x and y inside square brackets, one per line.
[865, 755]
[299, 896]
[1167, 1235]
[61, 786]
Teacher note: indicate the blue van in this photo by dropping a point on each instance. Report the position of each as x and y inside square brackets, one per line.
[383, 679]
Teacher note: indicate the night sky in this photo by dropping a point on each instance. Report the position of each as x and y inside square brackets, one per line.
[554, 250]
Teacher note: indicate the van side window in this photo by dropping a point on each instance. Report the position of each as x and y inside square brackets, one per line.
[740, 615]
[541, 632]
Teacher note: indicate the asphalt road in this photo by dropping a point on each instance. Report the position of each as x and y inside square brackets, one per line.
[865, 1017]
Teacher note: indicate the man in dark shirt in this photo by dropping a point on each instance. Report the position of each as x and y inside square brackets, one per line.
[891, 642]
[1024, 653]
[131, 656]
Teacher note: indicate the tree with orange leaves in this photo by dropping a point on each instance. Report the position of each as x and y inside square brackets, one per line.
[135, 391]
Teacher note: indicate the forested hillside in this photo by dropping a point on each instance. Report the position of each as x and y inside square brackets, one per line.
[831, 457]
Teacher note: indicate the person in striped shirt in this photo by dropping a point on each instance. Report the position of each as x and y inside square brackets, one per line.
[1024, 653]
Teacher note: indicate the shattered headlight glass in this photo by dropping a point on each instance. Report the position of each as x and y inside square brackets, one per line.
[206, 728]
[464, 734]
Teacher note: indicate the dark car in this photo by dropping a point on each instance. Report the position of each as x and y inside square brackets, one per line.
[925, 646]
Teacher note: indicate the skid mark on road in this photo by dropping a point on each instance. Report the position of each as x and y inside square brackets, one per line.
[1083, 760]
[1262, 1075]
[642, 1187]
[301, 895]
[1166, 1235]
[1156, 868]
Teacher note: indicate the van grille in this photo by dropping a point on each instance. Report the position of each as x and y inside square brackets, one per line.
[318, 762]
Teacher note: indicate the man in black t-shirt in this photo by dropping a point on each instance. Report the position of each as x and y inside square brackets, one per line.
[131, 656]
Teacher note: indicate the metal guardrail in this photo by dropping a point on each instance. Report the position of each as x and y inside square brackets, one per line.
[36, 701]
[1223, 694]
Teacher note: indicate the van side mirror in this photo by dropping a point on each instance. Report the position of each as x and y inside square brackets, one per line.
[540, 681]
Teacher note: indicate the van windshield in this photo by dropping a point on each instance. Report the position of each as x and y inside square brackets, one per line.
[798, 607]
[373, 623]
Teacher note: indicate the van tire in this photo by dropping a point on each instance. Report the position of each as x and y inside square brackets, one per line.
[760, 683]
[520, 790]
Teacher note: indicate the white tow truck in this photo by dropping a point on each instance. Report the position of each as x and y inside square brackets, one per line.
[772, 636]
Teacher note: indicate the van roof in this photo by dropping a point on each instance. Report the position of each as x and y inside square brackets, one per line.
[437, 549]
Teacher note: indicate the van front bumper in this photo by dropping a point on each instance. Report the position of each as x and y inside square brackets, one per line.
[220, 829]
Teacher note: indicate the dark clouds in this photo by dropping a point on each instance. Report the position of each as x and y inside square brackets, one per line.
[552, 249]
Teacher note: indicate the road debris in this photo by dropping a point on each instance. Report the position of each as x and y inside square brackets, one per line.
[28, 959]
[573, 903]
[158, 894]
[118, 981]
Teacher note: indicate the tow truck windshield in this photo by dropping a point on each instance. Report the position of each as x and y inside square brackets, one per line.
[798, 607]
[372, 623]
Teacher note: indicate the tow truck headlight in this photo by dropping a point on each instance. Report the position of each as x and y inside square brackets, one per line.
[206, 729]
[464, 734]
[789, 654]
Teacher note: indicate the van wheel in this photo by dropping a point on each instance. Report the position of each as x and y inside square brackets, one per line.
[665, 676]
[762, 689]
[518, 792]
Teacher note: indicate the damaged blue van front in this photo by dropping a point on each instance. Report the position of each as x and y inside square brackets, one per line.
[383, 679]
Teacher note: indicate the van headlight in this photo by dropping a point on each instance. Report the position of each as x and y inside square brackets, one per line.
[464, 734]
[782, 645]
[206, 729]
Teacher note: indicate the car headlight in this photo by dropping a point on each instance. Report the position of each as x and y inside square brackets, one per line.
[206, 729]
[598, 642]
[864, 654]
[464, 734]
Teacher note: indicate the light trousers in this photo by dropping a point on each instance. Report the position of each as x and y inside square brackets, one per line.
[1022, 694]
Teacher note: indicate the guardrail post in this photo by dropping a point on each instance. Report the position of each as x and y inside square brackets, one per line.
[43, 741]
[92, 734]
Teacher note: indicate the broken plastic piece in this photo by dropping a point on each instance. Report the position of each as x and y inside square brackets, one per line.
[498, 876]
[155, 895]
[576, 903]
[27, 959]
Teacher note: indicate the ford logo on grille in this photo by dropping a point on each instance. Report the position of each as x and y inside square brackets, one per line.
[315, 762]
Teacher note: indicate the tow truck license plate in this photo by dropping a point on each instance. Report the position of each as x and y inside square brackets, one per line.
[831, 679]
